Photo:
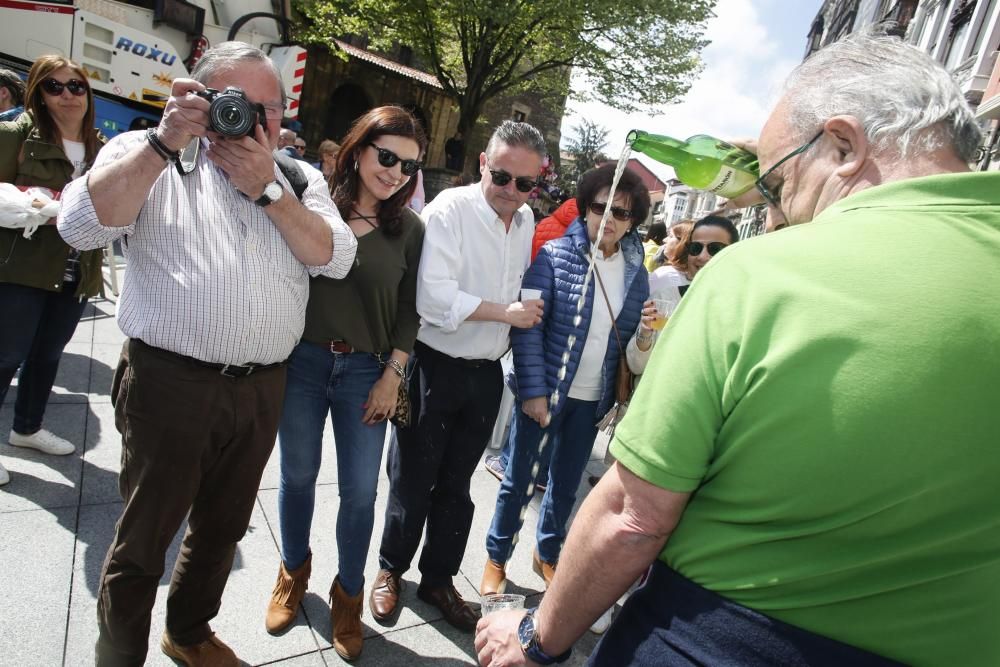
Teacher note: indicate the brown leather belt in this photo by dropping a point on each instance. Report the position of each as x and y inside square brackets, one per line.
[341, 347]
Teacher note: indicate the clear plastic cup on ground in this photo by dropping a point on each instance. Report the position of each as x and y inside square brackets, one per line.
[501, 601]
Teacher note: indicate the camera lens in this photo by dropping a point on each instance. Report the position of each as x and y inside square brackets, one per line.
[231, 114]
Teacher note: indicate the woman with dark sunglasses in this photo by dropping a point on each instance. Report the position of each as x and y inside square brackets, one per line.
[359, 333]
[609, 320]
[707, 238]
[44, 284]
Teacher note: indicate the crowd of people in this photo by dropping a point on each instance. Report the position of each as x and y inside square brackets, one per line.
[803, 473]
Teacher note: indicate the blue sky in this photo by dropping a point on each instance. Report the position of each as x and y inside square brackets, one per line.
[755, 44]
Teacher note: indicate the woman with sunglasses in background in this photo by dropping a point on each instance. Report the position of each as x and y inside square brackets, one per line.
[706, 239]
[359, 333]
[614, 299]
[44, 284]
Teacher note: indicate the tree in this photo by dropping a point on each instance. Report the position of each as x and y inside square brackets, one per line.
[631, 54]
[586, 149]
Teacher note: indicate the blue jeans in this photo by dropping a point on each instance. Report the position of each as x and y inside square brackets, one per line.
[321, 381]
[571, 437]
[508, 444]
[38, 325]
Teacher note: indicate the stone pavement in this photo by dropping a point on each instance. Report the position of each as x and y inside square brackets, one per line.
[57, 518]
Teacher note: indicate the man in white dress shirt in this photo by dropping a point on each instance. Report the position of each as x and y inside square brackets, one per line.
[476, 249]
[213, 302]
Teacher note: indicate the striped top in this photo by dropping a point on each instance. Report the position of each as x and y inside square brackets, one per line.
[209, 275]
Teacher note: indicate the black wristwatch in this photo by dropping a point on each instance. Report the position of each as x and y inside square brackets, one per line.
[527, 635]
[272, 193]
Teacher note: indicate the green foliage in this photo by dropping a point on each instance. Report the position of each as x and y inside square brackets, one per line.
[585, 148]
[630, 54]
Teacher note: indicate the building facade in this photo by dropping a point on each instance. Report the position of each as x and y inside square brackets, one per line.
[963, 35]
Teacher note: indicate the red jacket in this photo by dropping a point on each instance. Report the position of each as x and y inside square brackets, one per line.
[554, 226]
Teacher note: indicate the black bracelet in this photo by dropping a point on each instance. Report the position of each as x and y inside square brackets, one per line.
[161, 148]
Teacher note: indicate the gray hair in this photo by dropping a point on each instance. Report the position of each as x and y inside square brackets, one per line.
[223, 57]
[905, 100]
[512, 133]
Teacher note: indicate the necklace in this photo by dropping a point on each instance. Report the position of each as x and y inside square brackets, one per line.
[366, 218]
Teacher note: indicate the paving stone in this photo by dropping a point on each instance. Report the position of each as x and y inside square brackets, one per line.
[37, 557]
[104, 361]
[102, 458]
[314, 659]
[435, 643]
[40, 480]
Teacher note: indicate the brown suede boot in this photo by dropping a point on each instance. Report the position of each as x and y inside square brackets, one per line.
[544, 570]
[286, 596]
[494, 578]
[345, 619]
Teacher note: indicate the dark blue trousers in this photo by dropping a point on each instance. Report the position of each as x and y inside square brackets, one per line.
[37, 326]
[673, 622]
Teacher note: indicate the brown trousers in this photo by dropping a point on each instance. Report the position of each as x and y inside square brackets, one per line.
[195, 441]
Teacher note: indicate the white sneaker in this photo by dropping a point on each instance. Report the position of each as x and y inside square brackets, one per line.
[43, 441]
[4, 475]
[603, 623]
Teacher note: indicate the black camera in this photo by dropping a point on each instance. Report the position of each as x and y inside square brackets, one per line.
[231, 114]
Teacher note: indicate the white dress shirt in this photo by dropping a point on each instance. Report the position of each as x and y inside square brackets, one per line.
[208, 274]
[468, 257]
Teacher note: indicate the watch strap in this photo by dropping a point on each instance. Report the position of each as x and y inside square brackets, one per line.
[534, 651]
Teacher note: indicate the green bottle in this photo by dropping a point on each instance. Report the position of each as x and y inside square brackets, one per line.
[702, 162]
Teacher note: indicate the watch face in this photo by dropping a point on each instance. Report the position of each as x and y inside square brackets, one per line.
[273, 191]
[526, 631]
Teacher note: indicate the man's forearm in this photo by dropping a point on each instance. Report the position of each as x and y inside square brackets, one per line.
[603, 555]
[307, 234]
[119, 189]
[487, 311]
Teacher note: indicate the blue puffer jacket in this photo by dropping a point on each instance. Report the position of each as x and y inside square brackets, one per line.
[558, 271]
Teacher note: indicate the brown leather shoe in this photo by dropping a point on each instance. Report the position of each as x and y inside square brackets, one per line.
[211, 653]
[456, 610]
[384, 598]
[494, 578]
[286, 596]
[544, 570]
[345, 619]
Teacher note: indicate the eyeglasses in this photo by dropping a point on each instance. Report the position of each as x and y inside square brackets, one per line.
[523, 183]
[387, 158]
[300, 146]
[773, 198]
[695, 248]
[619, 213]
[55, 88]
[274, 111]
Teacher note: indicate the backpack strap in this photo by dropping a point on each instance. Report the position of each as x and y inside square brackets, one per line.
[293, 172]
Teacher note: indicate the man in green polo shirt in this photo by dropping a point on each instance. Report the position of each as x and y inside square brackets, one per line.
[811, 459]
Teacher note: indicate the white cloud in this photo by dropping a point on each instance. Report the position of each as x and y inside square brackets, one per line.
[731, 98]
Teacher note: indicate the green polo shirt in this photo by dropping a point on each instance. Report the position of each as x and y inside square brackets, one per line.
[830, 394]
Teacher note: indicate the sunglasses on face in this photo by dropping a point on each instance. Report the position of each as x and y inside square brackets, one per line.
[523, 183]
[619, 213]
[301, 147]
[695, 248]
[55, 88]
[387, 158]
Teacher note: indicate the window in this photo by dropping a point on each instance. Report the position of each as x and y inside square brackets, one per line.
[519, 112]
[984, 26]
[958, 31]
[518, 116]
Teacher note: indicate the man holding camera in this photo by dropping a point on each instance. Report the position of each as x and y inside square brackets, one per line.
[213, 302]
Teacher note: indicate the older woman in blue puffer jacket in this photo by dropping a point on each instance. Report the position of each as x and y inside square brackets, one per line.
[586, 390]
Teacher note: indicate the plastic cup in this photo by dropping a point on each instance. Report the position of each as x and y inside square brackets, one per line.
[501, 601]
[530, 294]
[664, 307]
